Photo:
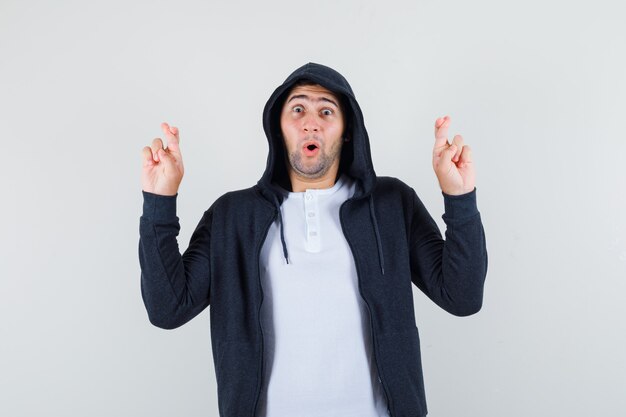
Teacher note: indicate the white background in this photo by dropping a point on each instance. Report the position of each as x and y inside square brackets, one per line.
[536, 88]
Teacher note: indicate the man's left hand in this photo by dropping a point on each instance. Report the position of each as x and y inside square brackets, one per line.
[452, 162]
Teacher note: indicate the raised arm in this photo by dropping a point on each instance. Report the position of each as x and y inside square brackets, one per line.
[450, 272]
[175, 288]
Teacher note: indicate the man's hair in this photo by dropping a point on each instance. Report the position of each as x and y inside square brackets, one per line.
[303, 81]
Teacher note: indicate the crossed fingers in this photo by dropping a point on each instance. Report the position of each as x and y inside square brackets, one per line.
[152, 152]
[441, 141]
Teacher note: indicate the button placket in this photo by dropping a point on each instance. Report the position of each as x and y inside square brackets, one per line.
[312, 221]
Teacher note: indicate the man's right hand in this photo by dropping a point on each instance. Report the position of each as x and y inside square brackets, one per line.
[163, 168]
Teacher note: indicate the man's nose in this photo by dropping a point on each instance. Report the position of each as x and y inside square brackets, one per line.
[310, 124]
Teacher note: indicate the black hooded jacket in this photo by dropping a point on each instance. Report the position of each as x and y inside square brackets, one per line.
[394, 241]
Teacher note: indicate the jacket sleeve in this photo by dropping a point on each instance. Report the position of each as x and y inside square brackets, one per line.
[450, 272]
[174, 288]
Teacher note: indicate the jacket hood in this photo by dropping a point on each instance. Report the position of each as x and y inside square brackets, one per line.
[356, 160]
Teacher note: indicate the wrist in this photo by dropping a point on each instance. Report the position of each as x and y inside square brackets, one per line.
[460, 206]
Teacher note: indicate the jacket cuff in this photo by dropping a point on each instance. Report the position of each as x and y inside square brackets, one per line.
[159, 207]
[460, 206]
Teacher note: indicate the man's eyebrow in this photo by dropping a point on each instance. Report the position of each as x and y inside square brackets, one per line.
[304, 96]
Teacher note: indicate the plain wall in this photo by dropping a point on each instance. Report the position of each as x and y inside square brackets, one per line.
[536, 88]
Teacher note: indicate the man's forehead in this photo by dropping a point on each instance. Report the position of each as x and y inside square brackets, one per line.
[313, 92]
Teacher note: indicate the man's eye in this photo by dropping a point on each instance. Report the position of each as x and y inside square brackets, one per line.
[298, 109]
[327, 112]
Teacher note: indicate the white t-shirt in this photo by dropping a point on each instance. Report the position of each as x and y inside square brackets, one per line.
[318, 357]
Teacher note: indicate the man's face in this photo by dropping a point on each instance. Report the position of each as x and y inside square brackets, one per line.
[312, 124]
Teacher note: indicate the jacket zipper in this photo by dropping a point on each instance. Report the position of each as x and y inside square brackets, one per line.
[369, 310]
[258, 257]
[258, 393]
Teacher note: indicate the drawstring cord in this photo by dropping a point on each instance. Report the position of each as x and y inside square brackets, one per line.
[282, 234]
[379, 244]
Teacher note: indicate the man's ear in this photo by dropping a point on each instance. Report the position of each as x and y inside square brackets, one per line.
[347, 131]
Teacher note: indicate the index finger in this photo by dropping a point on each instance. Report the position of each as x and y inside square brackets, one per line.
[171, 133]
[441, 131]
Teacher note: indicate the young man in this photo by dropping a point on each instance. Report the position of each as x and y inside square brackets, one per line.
[309, 272]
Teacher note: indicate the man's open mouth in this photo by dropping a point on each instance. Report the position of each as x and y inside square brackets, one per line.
[310, 148]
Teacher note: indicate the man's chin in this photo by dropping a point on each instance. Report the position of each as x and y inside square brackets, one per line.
[311, 173]
[309, 168]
